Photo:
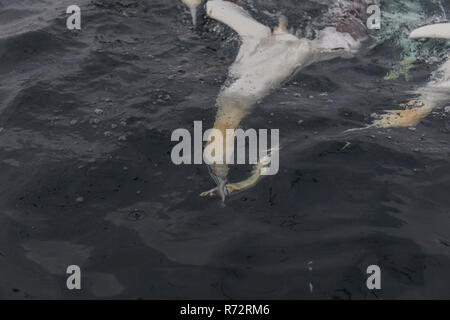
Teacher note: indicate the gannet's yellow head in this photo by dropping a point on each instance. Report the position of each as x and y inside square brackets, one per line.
[283, 31]
[192, 5]
[282, 25]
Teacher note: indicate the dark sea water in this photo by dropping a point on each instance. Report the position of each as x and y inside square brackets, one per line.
[87, 179]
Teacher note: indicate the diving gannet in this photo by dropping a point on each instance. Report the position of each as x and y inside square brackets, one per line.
[265, 60]
[192, 5]
[432, 95]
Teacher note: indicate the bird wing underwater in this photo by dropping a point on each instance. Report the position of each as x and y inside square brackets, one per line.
[237, 19]
[435, 31]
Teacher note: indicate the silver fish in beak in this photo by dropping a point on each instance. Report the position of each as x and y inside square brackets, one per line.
[221, 183]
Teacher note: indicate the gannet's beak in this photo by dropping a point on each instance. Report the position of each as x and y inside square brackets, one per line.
[436, 31]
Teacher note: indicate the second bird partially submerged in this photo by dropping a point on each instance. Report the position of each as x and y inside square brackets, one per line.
[432, 95]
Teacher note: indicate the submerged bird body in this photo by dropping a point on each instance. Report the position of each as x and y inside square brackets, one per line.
[263, 65]
[265, 60]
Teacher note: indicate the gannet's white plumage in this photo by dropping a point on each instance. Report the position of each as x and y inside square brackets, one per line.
[192, 5]
[431, 95]
[265, 60]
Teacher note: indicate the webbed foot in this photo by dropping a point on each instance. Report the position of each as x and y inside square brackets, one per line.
[415, 110]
